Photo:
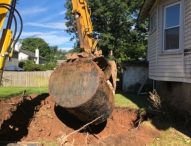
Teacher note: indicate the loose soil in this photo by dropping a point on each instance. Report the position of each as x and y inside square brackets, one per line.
[37, 118]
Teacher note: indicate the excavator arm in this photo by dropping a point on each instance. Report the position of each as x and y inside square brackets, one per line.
[8, 39]
[3, 11]
[84, 26]
[4, 45]
[83, 23]
[84, 86]
[6, 35]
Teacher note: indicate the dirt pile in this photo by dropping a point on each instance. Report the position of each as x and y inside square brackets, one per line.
[36, 118]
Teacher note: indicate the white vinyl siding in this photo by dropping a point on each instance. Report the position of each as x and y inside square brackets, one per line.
[152, 53]
[152, 42]
[187, 37]
[170, 66]
[187, 26]
[153, 22]
[187, 66]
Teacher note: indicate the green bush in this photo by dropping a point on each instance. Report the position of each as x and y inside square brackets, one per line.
[30, 65]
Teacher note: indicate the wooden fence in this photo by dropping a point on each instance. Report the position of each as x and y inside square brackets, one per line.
[26, 79]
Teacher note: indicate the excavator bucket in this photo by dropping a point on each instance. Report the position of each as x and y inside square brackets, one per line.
[81, 87]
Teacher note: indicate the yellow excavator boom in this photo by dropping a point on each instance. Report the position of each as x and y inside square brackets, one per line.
[82, 13]
[85, 85]
[6, 37]
[3, 12]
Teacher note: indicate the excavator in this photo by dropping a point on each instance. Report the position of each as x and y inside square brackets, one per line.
[85, 83]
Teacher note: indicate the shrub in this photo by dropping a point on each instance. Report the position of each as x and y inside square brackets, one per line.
[30, 65]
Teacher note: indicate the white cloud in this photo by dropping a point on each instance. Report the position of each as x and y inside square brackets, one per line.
[38, 33]
[51, 17]
[53, 25]
[33, 10]
[62, 12]
[55, 39]
[66, 48]
[30, 34]
[52, 38]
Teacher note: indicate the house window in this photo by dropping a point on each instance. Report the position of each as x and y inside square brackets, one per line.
[172, 14]
[153, 22]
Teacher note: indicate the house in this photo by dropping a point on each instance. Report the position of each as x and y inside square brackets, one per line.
[28, 55]
[169, 49]
[20, 55]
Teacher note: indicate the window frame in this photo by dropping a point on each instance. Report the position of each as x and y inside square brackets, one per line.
[180, 27]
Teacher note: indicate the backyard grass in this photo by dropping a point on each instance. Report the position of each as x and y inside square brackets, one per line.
[169, 136]
[8, 92]
[131, 100]
[122, 101]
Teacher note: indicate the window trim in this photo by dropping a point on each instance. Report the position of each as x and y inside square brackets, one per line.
[180, 26]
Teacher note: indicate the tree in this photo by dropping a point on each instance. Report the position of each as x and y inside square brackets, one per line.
[50, 53]
[117, 23]
[55, 54]
[33, 43]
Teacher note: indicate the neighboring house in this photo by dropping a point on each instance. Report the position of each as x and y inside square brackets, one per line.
[13, 64]
[23, 55]
[28, 55]
[169, 48]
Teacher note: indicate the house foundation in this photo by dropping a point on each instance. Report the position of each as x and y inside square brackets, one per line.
[176, 94]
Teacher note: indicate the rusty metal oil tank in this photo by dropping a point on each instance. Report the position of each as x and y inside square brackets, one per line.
[80, 87]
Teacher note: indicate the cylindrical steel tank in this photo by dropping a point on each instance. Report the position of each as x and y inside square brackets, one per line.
[81, 88]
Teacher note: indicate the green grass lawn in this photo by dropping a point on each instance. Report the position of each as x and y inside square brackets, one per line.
[131, 100]
[7, 92]
[169, 136]
[122, 101]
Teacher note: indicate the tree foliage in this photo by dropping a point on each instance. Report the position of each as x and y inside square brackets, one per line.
[117, 23]
[33, 43]
[30, 65]
[50, 53]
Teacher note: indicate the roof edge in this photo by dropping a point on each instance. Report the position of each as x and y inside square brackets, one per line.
[146, 7]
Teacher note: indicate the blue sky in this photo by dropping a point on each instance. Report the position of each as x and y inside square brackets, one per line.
[45, 19]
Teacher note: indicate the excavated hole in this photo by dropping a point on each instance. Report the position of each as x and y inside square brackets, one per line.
[16, 126]
[74, 123]
[38, 119]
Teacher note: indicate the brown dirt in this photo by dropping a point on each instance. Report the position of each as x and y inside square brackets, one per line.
[36, 118]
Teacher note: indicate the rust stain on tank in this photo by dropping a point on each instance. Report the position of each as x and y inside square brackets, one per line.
[81, 87]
